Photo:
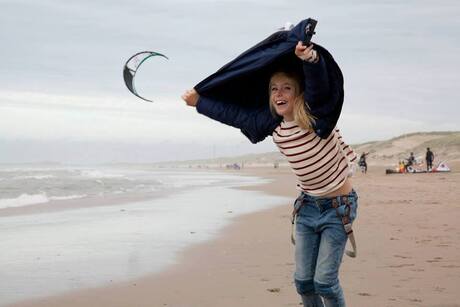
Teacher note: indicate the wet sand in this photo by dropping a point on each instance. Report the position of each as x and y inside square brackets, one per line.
[408, 239]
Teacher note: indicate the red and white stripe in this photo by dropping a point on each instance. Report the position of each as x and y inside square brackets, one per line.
[321, 165]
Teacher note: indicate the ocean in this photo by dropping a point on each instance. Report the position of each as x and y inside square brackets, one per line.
[65, 228]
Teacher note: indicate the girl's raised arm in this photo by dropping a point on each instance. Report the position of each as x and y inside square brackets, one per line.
[255, 123]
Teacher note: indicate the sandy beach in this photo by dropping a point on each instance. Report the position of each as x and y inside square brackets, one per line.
[407, 233]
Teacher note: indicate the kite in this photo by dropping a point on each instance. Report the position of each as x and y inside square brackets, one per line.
[132, 66]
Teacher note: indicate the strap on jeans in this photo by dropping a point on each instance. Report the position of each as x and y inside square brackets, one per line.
[347, 225]
[346, 221]
[297, 205]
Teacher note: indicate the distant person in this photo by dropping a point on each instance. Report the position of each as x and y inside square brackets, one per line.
[429, 157]
[410, 161]
[362, 162]
[402, 166]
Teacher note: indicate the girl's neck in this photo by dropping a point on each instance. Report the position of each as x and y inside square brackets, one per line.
[288, 118]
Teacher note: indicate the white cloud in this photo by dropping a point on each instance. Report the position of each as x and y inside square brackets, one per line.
[46, 116]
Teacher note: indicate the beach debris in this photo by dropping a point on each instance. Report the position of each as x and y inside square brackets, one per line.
[435, 259]
[400, 265]
[364, 294]
[274, 290]
[400, 256]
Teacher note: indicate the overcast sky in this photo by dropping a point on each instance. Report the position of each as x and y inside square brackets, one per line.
[62, 96]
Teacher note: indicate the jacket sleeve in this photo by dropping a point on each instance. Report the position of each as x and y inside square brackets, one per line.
[317, 96]
[316, 82]
[255, 123]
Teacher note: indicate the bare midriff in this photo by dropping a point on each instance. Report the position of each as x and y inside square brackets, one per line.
[345, 189]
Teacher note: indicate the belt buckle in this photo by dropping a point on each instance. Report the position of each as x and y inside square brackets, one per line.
[335, 203]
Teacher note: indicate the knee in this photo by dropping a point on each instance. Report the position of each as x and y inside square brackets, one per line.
[309, 287]
[328, 289]
[305, 287]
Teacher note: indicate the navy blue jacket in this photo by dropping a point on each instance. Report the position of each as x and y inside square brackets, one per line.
[237, 94]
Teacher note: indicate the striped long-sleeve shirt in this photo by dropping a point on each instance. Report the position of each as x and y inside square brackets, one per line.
[321, 165]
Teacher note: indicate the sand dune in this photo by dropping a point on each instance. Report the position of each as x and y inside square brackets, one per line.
[445, 145]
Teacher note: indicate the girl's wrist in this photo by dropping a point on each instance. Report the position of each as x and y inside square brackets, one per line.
[314, 58]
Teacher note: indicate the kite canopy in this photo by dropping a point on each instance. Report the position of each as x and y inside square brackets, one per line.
[244, 81]
[131, 67]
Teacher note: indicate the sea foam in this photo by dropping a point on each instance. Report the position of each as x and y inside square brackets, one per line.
[32, 199]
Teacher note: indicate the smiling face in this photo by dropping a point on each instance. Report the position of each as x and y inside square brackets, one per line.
[283, 93]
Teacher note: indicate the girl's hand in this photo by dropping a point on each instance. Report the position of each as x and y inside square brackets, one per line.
[191, 97]
[305, 53]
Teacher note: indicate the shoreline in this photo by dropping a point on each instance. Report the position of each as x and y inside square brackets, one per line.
[408, 253]
[97, 200]
[103, 296]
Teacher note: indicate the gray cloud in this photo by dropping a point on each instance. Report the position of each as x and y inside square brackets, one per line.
[62, 64]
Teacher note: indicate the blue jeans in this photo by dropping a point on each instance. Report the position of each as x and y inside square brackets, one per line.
[320, 245]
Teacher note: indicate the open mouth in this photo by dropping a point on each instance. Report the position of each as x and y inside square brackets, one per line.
[280, 102]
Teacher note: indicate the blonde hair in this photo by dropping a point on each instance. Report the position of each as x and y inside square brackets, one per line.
[302, 115]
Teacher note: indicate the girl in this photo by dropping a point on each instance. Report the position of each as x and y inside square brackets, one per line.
[327, 202]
